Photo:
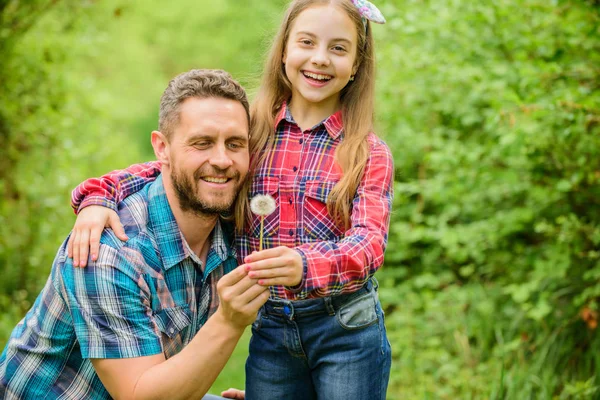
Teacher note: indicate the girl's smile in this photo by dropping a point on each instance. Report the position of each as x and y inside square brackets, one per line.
[316, 79]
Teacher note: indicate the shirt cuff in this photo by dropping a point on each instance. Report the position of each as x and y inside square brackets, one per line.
[142, 348]
[97, 201]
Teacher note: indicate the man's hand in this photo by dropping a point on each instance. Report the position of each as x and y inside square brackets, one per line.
[87, 231]
[278, 266]
[235, 394]
[240, 298]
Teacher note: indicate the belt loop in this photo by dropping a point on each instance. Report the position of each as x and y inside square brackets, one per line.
[374, 283]
[288, 309]
[329, 305]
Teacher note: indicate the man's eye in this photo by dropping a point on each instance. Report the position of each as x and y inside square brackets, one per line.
[235, 145]
[202, 145]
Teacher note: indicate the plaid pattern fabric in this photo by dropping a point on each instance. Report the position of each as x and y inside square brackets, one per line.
[299, 173]
[142, 297]
[110, 189]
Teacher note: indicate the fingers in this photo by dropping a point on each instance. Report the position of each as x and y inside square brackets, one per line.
[115, 223]
[95, 243]
[241, 292]
[279, 266]
[235, 394]
[272, 258]
[70, 246]
[265, 254]
[84, 239]
[248, 296]
[75, 247]
[240, 298]
[232, 278]
[259, 300]
[276, 276]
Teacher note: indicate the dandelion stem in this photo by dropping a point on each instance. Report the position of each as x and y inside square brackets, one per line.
[262, 222]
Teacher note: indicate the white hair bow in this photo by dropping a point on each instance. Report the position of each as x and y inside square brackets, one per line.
[368, 11]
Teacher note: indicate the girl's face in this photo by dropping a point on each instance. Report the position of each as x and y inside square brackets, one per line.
[319, 56]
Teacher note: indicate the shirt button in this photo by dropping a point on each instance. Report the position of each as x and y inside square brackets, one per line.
[295, 169]
[291, 232]
[171, 330]
[291, 201]
[301, 141]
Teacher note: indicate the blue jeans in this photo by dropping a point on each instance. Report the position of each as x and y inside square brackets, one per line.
[326, 348]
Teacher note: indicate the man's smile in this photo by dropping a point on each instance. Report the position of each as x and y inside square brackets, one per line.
[212, 179]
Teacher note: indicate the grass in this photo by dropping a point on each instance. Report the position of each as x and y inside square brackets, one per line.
[233, 375]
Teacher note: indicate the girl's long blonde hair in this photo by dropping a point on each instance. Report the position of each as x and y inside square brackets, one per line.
[357, 101]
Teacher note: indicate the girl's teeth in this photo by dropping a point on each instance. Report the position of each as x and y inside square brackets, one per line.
[317, 76]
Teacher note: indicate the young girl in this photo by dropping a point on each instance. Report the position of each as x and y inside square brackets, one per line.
[321, 335]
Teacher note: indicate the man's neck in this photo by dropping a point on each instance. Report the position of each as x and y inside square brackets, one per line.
[196, 229]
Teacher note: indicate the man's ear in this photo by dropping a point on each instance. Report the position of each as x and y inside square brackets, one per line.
[160, 144]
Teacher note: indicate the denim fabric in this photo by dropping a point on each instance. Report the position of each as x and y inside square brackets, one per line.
[327, 348]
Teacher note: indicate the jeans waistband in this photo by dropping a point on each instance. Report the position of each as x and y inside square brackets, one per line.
[298, 308]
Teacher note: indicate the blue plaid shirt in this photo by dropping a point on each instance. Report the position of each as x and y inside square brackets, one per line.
[148, 295]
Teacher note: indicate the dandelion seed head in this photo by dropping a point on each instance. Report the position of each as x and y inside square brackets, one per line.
[262, 204]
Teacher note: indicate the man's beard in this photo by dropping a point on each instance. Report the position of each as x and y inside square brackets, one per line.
[186, 191]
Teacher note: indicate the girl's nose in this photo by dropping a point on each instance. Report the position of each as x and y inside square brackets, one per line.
[320, 58]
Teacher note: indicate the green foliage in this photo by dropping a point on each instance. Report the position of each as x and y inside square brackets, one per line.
[51, 130]
[491, 109]
[493, 113]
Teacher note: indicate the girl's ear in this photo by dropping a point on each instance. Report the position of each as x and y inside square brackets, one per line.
[160, 144]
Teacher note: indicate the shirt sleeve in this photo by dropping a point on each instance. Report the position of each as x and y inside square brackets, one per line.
[332, 268]
[110, 307]
[112, 188]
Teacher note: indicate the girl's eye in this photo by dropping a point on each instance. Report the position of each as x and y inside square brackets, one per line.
[339, 48]
[306, 42]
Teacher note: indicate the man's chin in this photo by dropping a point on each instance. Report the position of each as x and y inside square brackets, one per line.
[213, 207]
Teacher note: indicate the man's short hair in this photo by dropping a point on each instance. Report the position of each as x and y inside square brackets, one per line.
[200, 83]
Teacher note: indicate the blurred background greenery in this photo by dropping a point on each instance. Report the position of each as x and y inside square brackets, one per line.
[491, 284]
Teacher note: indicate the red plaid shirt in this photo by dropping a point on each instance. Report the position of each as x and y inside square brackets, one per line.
[299, 173]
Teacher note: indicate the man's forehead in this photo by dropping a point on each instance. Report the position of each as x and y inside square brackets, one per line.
[213, 116]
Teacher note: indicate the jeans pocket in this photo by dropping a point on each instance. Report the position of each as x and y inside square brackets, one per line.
[358, 313]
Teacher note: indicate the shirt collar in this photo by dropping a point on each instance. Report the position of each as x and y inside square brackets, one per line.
[171, 244]
[333, 124]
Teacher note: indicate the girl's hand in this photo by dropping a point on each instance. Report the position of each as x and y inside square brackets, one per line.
[232, 393]
[87, 231]
[278, 266]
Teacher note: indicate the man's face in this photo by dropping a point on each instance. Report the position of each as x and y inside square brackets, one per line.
[209, 154]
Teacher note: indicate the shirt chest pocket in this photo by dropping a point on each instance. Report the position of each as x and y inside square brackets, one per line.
[265, 186]
[317, 222]
[172, 323]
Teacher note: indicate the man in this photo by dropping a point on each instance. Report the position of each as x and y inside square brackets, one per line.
[134, 324]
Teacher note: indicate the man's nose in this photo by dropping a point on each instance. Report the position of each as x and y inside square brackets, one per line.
[220, 158]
